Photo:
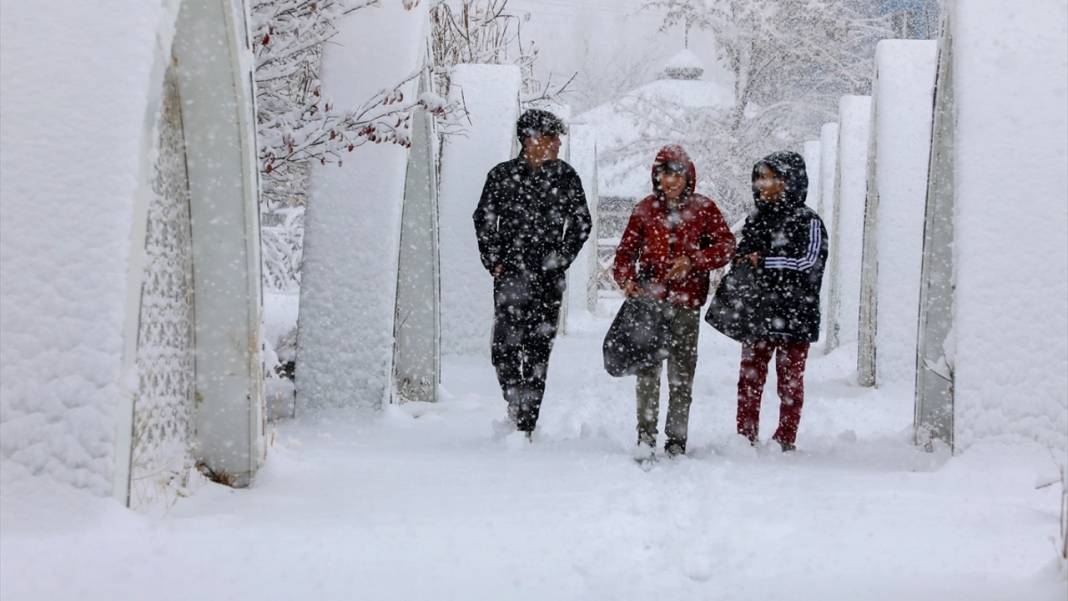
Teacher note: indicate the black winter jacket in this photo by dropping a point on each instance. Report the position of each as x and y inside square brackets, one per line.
[792, 243]
[532, 222]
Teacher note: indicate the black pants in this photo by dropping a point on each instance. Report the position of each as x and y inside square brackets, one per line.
[526, 312]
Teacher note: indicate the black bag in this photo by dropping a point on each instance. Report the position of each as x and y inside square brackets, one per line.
[735, 307]
[639, 336]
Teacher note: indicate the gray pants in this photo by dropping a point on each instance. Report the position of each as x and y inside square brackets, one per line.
[682, 361]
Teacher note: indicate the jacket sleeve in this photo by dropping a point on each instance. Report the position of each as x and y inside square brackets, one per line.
[579, 222]
[750, 238]
[485, 217]
[804, 251]
[624, 267]
[721, 250]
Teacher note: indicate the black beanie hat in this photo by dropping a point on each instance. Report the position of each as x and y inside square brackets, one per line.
[539, 122]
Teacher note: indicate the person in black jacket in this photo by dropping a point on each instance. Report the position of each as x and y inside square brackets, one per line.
[786, 243]
[531, 222]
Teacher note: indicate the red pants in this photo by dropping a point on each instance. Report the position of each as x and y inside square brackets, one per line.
[790, 369]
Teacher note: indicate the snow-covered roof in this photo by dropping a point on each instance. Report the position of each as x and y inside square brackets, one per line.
[624, 122]
[684, 65]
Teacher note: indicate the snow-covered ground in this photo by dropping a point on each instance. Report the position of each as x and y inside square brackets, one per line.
[427, 502]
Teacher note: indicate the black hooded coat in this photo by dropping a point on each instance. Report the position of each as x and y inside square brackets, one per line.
[779, 299]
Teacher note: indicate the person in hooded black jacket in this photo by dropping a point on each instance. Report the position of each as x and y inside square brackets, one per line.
[531, 222]
[786, 243]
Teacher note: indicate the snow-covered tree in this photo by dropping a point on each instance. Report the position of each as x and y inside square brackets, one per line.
[485, 32]
[297, 122]
[477, 31]
[790, 61]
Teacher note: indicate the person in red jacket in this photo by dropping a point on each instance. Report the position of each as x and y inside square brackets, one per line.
[673, 239]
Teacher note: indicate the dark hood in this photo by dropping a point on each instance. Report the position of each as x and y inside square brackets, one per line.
[675, 154]
[791, 168]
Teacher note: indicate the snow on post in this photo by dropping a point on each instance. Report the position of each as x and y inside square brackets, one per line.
[902, 94]
[582, 275]
[812, 153]
[353, 223]
[847, 230]
[992, 346]
[130, 310]
[491, 97]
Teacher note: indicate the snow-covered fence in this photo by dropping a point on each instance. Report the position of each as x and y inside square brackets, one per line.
[992, 352]
[893, 218]
[490, 94]
[583, 274]
[353, 224]
[131, 327]
[812, 153]
[847, 229]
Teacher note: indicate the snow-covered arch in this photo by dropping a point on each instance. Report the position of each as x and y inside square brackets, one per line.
[131, 299]
[992, 357]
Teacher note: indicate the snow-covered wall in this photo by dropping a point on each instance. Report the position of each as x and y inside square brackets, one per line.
[847, 231]
[812, 153]
[352, 225]
[897, 184]
[1010, 70]
[491, 97]
[74, 145]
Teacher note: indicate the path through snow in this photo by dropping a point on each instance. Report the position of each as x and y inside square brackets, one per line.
[426, 502]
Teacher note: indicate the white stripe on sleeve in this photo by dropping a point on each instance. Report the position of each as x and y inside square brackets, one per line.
[812, 253]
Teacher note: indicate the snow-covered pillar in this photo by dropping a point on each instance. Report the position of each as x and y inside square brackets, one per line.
[214, 77]
[893, 219]
[417, 348]
[825, 208]
[828, 171]
[102, 376]
[491, 96]
[933, 418]
[582, 276]
[353, 223]
[812, 153]
[847, 230]
[992, 349]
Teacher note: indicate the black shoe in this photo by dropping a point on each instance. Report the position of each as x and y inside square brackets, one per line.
[675, 448]
[787, 447]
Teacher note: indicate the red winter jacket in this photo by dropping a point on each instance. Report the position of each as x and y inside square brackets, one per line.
[649, 245]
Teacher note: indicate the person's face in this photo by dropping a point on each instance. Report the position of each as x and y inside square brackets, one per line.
[768, 185]
[672, 184]
[542, 147]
